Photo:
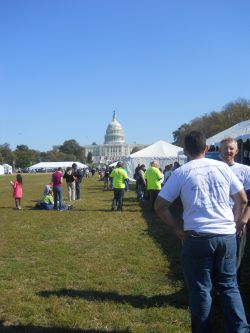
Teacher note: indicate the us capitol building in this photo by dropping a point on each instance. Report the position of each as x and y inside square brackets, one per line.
[114, 147]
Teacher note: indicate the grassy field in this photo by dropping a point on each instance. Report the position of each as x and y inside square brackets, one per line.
[89, 269]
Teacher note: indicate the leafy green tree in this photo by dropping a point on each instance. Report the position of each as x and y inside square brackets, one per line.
[135, 149]
[72, 147]
[57, 156]
[89, 157]
[6, 154]
[25, 157]
[215, 122]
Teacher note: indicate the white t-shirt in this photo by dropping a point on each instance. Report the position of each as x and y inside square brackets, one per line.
[205, 186]
[242, 172]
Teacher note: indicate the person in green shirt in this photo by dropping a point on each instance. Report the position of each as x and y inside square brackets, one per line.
[47, 201]
[153, 177]
[119, 176]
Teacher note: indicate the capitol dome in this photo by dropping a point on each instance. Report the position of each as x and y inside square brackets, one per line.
[114, 132]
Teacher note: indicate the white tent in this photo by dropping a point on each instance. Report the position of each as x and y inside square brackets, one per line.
[54, 165]
[113, 164]
[164, 152]
[240, 131]
[1, 170]
[7, 168]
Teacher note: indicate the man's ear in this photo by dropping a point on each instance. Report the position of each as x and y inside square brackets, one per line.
[206, 149]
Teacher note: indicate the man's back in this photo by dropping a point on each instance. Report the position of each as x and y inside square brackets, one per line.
[119, 175]
[205, 187]
[153, 176]
[57, 178]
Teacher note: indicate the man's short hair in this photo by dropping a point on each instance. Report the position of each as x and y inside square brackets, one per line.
[74, 165]
[228, 140]
[195, 143]
[119, 165]
[154, 163]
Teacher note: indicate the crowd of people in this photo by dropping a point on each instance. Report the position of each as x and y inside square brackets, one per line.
[216, 209]
[52, 196]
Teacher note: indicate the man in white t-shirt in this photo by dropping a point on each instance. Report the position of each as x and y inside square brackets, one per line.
[228, 151]
[209, 235]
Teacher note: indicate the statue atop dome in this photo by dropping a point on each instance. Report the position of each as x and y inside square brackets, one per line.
[114, 133]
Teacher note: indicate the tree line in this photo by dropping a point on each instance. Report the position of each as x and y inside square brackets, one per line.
[71, 150]
[215, 122]
[23, 157]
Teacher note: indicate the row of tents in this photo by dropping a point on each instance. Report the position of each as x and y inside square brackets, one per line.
[164, 152]
[5, 169]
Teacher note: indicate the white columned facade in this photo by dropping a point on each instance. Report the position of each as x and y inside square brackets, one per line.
[114, 147]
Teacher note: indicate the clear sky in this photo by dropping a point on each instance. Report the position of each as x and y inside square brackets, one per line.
[65, 65]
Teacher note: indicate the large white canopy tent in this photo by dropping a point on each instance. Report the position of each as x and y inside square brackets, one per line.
[7, 168]
[240, 131]
[164, 152]
[54, 165]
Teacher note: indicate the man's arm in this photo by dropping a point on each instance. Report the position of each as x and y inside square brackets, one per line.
[246, 215]
[240, 211]
[162, 210]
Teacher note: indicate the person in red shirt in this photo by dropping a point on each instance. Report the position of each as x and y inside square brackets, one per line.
[57, 178]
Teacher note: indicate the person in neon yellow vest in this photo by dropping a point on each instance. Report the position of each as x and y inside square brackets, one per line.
[153, 176]
[119, 176]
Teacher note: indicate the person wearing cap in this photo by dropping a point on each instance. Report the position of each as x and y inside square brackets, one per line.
[119, 175]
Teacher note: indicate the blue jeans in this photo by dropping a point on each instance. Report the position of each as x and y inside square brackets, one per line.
[46, 206]
[58, 196]
[118, 198]
[152, 197]
[78, 190]
[140, 192]
[210, 261]
[126, 182]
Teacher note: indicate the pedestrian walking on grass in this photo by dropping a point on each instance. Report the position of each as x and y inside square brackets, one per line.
[119, 176]
[17, 186]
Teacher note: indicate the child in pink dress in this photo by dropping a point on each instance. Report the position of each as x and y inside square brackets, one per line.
[17, 190]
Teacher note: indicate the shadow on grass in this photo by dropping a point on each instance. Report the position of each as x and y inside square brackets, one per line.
[165, 237]
[171, 247]
[137, 301]
[7, 207]
[41, 329]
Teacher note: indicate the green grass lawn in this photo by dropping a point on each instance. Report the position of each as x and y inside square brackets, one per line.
[89, 269]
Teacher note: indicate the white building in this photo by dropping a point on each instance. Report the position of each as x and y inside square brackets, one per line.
[114, 147]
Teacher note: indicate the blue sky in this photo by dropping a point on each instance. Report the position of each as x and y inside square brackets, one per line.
[65, 65]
